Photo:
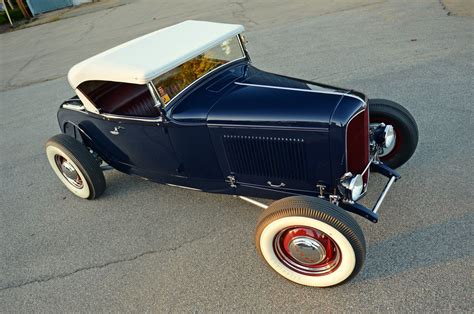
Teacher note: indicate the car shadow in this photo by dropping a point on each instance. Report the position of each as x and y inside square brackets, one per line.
[122, 184]
[424, 247]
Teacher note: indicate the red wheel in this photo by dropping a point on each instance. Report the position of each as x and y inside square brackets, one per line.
[310, 241]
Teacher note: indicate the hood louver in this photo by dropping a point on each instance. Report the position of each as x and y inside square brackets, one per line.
[270, 157]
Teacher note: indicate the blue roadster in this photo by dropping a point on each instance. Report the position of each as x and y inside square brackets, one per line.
[184, 106]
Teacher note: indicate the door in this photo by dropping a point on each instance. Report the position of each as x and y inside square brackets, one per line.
[134, 146]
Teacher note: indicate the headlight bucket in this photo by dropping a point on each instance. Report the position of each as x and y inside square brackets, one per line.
[384, 135]
[389, 136]
[351, 186]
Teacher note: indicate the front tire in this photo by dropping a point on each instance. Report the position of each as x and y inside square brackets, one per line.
[75, 166]
[404, 126]
[310, 241]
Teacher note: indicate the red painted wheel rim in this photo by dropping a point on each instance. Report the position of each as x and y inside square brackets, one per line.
[68, 171]
[307, 250]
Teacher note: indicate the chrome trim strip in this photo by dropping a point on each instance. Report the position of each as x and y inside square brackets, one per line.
[73, 107]
[183, 187]
[117, 117]
[252, 126]
[301, 90]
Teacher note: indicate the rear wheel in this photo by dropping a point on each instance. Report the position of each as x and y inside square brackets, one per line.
[310, 241]
[75, 166]
[405, 130]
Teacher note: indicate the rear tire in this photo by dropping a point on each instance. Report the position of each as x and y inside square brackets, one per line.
[75, 166]
[404, 125]
[310, 241]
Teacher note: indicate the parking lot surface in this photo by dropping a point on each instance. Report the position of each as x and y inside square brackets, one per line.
[149, 247]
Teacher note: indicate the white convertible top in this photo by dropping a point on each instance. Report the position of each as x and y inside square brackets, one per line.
[142, 59]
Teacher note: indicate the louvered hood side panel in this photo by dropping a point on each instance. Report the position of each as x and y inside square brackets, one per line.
[293, 159]
[270, 157]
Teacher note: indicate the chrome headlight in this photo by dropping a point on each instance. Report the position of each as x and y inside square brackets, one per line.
[352, 186]
[383, 135]
[389, 135]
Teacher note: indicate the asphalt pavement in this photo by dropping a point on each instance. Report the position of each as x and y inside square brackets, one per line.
[149, 247]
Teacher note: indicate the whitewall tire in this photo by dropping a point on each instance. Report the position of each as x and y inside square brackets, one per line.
[310, 241]
[75, 166]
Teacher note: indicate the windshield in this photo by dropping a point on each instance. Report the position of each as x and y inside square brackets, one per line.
[173, 82]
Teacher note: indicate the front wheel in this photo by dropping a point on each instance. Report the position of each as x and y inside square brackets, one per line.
[405, 130]
[310, 241]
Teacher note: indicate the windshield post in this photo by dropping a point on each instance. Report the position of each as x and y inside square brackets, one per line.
[243, 45]
[156, 99]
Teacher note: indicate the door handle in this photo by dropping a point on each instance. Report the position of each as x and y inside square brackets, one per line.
[116, 131]
[276, 185]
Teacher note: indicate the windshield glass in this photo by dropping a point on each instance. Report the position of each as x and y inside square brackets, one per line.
[172, 82]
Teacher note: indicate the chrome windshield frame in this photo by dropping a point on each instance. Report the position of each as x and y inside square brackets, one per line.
[172, 100]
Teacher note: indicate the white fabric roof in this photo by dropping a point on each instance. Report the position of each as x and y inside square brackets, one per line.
[142, 59]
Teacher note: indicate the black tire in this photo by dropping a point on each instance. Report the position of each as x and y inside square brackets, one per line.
[405, 127]
[289, 218]
[63, 149]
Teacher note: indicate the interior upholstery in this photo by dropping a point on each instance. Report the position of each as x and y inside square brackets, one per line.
[142, 106]
[121, 98]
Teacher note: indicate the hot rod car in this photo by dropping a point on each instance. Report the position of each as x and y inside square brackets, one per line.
[184, 106]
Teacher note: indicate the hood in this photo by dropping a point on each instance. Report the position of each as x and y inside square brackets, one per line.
[262, 98]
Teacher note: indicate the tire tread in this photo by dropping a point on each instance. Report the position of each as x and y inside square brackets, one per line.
[395, 111]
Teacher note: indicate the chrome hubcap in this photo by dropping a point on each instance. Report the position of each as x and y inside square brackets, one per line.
[68, 171]
[306, 250]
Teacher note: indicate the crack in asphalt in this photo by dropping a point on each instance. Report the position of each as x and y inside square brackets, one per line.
[11, 87]
[241, 13]
[43, 279]
[92, 24]
[20, 70]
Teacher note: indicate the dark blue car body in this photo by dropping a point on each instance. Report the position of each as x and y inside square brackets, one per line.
[238, 131]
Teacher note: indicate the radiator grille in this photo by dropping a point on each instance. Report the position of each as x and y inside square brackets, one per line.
[272, 157]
